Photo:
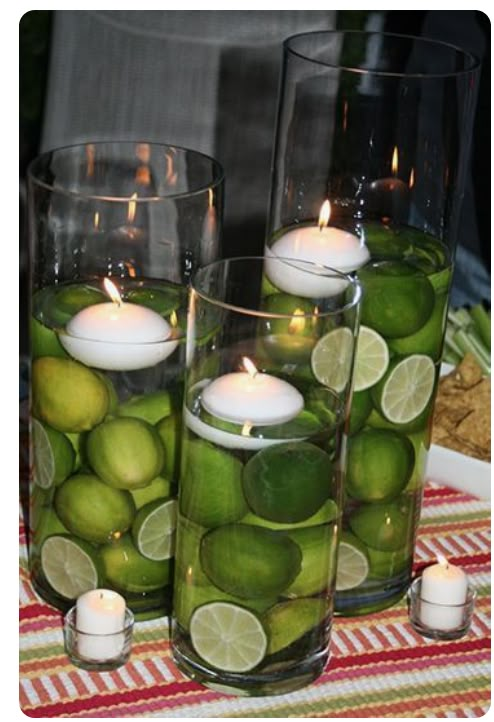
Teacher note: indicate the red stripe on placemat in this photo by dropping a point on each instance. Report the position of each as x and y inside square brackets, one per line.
[35, 610]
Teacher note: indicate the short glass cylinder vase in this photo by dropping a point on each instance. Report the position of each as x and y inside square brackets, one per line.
[116, 231]
[266, 399]
[371, 148]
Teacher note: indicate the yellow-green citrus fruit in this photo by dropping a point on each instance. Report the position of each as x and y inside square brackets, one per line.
[92, 510]
[384, 565]
[170, 432]
[288, 621]
[386, 526]
[158, 488]
[380, 464]
[250, 562]
[69, 300]
[318, 545]
[125, 452]
[327, 512]
[53, 454]
[188, 569]
[287, 482]
[360, 410]
[44, 341]
[67, 395]
[428, 339]
[150, 407]
[128, 570]
[290, 339]
[210, 487]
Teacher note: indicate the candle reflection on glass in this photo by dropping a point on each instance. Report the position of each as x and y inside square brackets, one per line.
[389, 196]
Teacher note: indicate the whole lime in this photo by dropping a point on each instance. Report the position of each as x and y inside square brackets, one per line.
[125, 452]
[288, 621]
[360, 410]
[380, 464]
[385, 565]
[211, 486]
[318, 546]
[158, 488]
[150, 407]
[73, 298]
[291, 337]
[386, 526]
[397, 299]
[428, 339]
[93, 510]
[67, 395]
[327, 512]
[128, 570]
[170, 432]
[287, 482]
[44, 341]
[248, 561]
[161, 300]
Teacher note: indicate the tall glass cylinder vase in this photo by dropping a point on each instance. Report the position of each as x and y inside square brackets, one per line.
[371, 147]
[266, 400]
[116, 231]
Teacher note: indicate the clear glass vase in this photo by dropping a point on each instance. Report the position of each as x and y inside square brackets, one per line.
[371, 146]
[116, 231]
[266, 401]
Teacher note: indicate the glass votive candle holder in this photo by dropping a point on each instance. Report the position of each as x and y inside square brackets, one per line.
[97, 652]
[436, 620]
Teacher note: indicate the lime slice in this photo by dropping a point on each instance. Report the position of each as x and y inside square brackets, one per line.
[228, 637]
[153, 529]
[53, 455]
[68, 566]
[353, 564]
[372, 359]
[407, 389]
[331, 358]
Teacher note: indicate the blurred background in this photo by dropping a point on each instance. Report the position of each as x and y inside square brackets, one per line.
[208, 80]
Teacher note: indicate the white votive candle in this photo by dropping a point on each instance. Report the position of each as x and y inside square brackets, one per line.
[118, 336]
[443, 593]
[251, 397]
[321, 245]
[100, 616]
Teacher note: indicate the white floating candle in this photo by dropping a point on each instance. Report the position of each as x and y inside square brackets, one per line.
[443, 593]
[251, 397]
[321, 245]
[100, 616]
[118, 336]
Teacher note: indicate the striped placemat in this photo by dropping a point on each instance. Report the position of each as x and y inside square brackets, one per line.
[379, 666]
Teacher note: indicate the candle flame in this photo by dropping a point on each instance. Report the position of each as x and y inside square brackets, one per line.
[143, 175]
[394, 161]
[174, 319]
[246, 429]
[442, 560]
[411, 180]
[324, 214]
[297, 323]
[249, 366]
[131, 213]
[96, 221]
[112, 291]
[130, 269]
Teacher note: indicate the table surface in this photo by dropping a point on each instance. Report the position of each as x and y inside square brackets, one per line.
[379, 666]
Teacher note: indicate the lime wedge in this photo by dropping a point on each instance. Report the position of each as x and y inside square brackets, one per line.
[53, 455]
[228, 637]
[331, 358]
[353, 564]
[407, 389]
[153, 529]
[69, 566]
[372, 359]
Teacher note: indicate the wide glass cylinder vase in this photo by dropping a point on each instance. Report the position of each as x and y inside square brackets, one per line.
[371, 147]
[266, 401]
[116, 231]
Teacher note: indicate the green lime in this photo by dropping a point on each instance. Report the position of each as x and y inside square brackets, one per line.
[360, 410]
[380, 464]
[406, 389]
[158, 299]
[149, 407]
[397, 299]
[371, 360]
[70, 566]
[78, 441]
[188, 567]
[385, 565]
[153, 529]
[288, 621]
[305, 424]
[287, 482]
[44, 341]
[211, 485]
[44, 523]
[353, 562]
[228, 637]
[125, 452]
[188, 597]
[71, 299]
[53, 454]
[158, 488]
[318, 546]
[112, 393]
[327, 512]
[170, 432]
[386, 526]
[421, 441]
[331, 358]
[93, 510]
[129, 571]
[376, 421]
[67, 395]
[428, 339]
[289, 340]
[250, 561]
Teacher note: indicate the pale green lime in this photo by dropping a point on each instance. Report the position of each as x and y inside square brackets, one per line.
[353, 563]
[371, 360]
[170, 432]
[288, 621]
[153, 529]
[384, 565]
[70, 566]
[188, 567]
[406, 389]
[331, 358]
[53, 454]
[318, 546]
[44, 341]
[158, 488]
[361, 408]
[130, 571]
[228, 637]
[150, 407]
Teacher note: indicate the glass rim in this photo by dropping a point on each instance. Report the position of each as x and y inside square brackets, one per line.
[415, 592]
[70, 622]
[431, 42]
[246, 311]
[217, 178]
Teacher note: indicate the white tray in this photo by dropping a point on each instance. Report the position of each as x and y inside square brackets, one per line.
[459, 471]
